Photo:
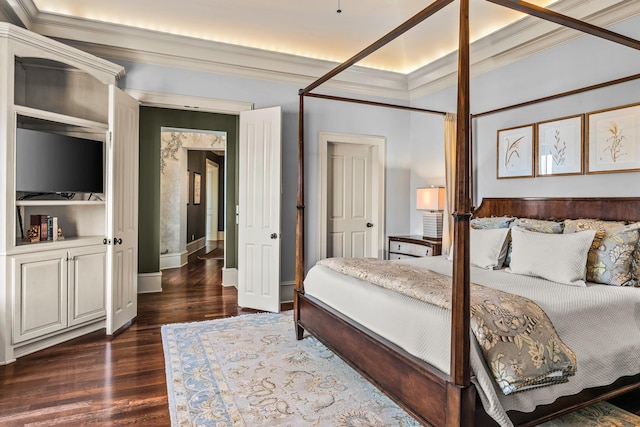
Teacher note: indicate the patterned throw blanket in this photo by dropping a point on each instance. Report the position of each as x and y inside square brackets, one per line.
[519, 343]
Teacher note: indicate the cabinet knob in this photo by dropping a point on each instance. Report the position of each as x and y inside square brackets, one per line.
[117, 241]
[106, 241]
[369, 225]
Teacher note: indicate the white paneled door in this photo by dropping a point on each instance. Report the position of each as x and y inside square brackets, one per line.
[349, 207]
[212, 200]
[122, 297]
[259, 209]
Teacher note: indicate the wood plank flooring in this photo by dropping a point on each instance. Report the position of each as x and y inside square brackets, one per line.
[99, 381]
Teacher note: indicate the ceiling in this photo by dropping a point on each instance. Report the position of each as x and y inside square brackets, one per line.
[297, 41]
[308, 28]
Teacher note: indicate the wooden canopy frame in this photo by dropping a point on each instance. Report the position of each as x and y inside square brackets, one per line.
[453, 396]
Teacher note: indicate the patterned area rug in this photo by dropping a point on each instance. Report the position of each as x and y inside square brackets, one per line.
[251, 371]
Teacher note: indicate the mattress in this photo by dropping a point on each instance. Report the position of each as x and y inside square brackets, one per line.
[600, 323]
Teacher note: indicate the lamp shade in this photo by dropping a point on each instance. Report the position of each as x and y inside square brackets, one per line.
[430, 199]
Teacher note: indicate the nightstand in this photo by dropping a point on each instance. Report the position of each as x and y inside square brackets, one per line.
[413, 246]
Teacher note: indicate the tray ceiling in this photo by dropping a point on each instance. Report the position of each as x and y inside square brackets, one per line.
[307, 28]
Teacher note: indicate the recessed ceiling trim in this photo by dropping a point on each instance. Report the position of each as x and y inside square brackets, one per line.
[500, 48]
[517, 41]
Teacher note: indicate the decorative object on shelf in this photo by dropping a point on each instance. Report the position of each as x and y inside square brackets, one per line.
[559, 148]
[59, 234]
[33, 234]
[515, 152]
[197, 185]
[613, 140]
[431, 200]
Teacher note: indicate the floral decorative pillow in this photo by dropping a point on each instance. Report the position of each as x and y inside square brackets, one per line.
[492, 222]
[539, 225]
[573, 225]
[610, 259]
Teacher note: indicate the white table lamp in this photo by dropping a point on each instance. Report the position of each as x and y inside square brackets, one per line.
[431, 200]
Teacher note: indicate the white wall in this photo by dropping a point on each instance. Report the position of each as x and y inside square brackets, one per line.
[320, 115]
[579, 63]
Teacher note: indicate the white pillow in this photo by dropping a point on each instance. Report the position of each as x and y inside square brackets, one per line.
[488, 247]
[561, 258]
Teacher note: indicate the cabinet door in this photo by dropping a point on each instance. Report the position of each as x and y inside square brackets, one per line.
[40, 294]
[122, 298]
[87, 284]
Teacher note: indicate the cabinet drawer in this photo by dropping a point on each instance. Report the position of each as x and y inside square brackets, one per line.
[411, 249]
[393, 255]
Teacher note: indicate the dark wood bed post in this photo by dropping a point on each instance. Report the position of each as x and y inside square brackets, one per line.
[461, 396]
[299, 221]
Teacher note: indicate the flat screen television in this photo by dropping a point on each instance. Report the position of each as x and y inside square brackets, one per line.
[48, 162]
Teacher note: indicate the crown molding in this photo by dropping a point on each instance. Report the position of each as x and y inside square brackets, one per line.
[146, 46]
[20, 12]
[523, 38]
[192, 103]
[517, 41]
[29, 43]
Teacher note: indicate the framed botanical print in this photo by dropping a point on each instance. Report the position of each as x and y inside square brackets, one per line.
[613, 140]
[559, 146]
[515, 152]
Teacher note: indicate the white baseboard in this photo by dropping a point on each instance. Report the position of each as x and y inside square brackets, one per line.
[286, 291]
[149, 282]
[196, 245]
[173, 260]
[230, 277]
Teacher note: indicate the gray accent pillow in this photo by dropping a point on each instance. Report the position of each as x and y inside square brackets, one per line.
[561, 258]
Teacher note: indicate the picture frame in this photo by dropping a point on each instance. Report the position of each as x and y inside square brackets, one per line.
[560, 146]
[613, 140]
[515, 152]
[197, 187]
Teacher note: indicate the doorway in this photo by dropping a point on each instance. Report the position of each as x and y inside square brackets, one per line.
[351, 195]
[183, 213]
[212, 200]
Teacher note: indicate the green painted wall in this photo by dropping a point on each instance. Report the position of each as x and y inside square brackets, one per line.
[151, 121]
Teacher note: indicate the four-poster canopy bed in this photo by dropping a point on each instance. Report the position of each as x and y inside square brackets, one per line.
[426, 391]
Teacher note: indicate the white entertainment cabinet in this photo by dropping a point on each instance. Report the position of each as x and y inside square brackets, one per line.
[52, 291]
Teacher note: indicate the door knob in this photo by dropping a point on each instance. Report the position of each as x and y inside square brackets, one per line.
[369, 225]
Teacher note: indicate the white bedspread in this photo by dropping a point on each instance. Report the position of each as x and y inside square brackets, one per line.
[601, 324]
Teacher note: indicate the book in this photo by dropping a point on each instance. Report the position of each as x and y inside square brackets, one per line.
[50, 228]
[44, 227]
[55, 228]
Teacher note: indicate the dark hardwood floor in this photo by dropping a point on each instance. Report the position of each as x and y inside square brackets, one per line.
[98, 381]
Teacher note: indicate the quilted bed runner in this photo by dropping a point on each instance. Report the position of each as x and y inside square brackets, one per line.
[518, 340]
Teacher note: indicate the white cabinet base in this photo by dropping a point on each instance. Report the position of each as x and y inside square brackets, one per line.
[45, 342]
